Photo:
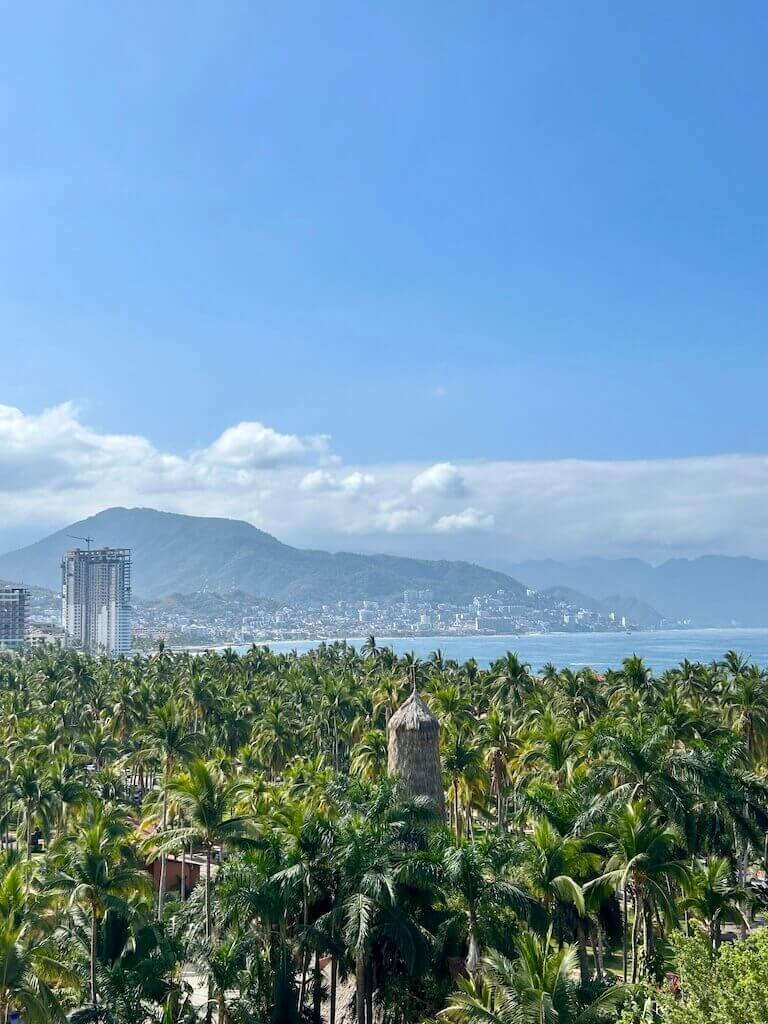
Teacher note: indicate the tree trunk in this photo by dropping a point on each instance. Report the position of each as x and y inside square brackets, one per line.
[208, 892]
[305, 955]
[597, 951]
[581, 939]
[473, 955]
[163, 862]
[183, 872]
[334, 980]
[625, 930]
[94, 940]
[209, 1002]
[648, 938]
[316, 990]
[743, 864]
[369, 992]
[500, 810]
[636, 937]
[360, 976]
[304, 968]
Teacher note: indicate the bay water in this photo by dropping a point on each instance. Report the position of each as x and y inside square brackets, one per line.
[661, 649]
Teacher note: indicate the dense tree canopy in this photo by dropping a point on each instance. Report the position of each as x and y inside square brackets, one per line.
[216, 837]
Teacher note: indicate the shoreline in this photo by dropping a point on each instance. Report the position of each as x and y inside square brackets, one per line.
[472, 638]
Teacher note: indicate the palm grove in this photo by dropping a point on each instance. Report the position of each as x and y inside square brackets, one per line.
[602, 832]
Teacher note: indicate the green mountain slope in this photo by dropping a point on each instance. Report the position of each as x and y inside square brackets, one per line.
[176, 553]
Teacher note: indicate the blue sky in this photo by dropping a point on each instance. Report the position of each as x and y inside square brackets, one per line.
[435, 232]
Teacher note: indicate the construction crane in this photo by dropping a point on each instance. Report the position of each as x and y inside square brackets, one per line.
[88, 540]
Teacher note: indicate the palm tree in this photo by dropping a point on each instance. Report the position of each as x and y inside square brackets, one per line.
[462, 764]
[642, 851]
[499, 747]
[387, 695]
[553, 863]
[636, 761]
[746, 701]
[369, 648]
[226, 963]
[370, 861]
[276, 736]
[306, 838]
[29, 961]
[92, 871]
[66, 789]
[207, 801]
[637, 677]
[552, 746]
[472, 880]
[369, 757]
[27, 968]
[711, 895]
[167, 740]
[452, 706]
[540, 985]
[27, 788]
[512, 679]
[98, 745]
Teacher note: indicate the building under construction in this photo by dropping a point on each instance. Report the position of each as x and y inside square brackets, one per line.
[96, 599]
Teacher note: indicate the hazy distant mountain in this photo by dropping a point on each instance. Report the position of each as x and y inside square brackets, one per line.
[183, 554]
[714, 590]
[639, 613]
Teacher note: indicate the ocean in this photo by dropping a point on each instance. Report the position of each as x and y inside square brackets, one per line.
[661, 650]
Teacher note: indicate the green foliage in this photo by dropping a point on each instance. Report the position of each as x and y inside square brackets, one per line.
[726, 987]
[590, 817]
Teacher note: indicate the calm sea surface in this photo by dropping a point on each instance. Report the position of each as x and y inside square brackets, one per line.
[661, 650]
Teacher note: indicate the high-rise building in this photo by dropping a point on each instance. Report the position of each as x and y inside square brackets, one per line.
[14, 614]
[96, 599]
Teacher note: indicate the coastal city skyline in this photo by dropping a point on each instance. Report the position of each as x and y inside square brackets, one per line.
[95, 613]
[213, 582]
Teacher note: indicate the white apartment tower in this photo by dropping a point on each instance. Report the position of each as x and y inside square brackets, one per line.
[96, 599]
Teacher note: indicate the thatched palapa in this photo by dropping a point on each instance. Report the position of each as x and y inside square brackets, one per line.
[414, 751]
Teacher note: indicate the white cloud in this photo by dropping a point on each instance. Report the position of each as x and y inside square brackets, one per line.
[318, 480]
[55, 469]
[469, 519]
[443, 478]
[252, 444]
[399, 519]
[357, 482]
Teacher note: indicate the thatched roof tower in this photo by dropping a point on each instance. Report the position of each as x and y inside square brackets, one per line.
[414, 750]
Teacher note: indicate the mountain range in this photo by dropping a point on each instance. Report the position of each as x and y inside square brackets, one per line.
[185, 554]
[714, 590]
[180, 554]
[639, 613]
